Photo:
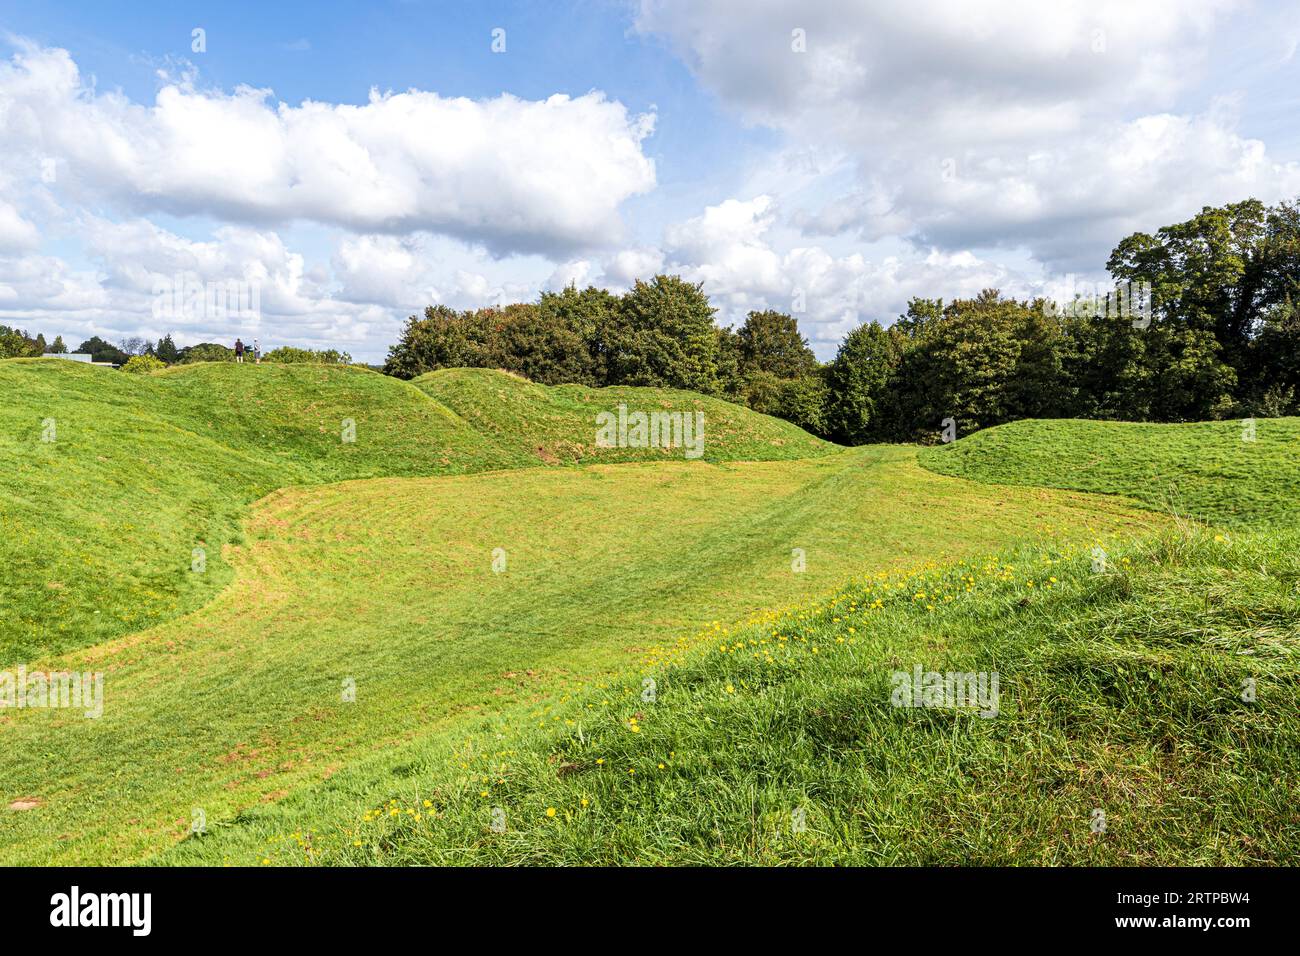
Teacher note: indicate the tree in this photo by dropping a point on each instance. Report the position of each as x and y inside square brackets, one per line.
[1219, 271]
[1106, 367]
[857, 380]
[594, 315]
[804, 401]
[965, 365]
[58, 348]
[1275, 361]
[166, 350]
[101, 351]
[541, 345]
[441, 338]
[667, 337]
[770, 342]
[206, 352]
[16, 344]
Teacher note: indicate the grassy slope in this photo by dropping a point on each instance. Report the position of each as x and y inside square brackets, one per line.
[99, 526]
[1121, 692]
[558, 423]
[1203, 469]
[389, 582]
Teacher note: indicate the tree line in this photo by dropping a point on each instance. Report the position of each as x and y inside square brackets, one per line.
[18, 343]
[1218, 336]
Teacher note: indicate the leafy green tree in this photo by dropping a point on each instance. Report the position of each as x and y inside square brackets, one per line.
[540, 344]
[805, 401]
[732, 378]
[761, 391]
[1220, 271]
[167, 351]
[1107, 368]
[101, 351]
[206, 352]
[965, 365]
[857, 382]
[441, 338]
[667, 337]
[594, 314]
[770, 342]
[1191, 382]
[58, 348]
[1275, 360]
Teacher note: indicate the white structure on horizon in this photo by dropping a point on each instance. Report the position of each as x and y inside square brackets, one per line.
[77, 357]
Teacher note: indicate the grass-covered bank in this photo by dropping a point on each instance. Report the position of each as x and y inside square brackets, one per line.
[1231, 472]
[109, 482]
[1122, 690]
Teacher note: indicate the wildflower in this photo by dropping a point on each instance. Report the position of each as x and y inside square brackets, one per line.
[550, 811]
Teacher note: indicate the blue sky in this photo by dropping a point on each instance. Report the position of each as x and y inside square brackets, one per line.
[846, 155]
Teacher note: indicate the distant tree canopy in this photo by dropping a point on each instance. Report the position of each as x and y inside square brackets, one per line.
[17, 343]
[101, 351]
[1221, 338]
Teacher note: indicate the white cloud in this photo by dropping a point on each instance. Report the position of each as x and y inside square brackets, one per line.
[512, 174]
[729, 248]
[386, 270]
[1056, 127]
[17, 234]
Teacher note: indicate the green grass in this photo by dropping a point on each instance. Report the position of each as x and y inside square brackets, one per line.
[371, 562]
[558, 423]
[389, 582]
[98, 527]
[1121, 691]
[1204, 469]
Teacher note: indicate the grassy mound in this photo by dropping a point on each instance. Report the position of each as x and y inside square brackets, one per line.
[1205, 469]
[558, 423]
[1146, 715]
[101, 522]
[98, 527]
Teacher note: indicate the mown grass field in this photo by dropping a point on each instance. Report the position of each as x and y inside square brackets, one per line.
[1122, 736]
[1147, 716]
[521, 688]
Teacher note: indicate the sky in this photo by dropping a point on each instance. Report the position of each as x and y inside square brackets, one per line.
[355, 163]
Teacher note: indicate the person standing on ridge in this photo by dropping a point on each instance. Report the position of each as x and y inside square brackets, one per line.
[239, 350]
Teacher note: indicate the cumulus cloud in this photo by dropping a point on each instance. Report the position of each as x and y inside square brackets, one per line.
[16, 233]
[729, 248]
[1056, 127]
[511, 174]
